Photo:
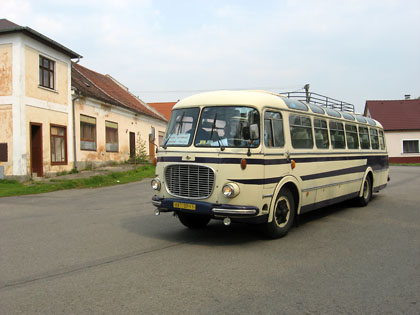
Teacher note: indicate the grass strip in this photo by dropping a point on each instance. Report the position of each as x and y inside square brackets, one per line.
[15, 188]
[404, 164]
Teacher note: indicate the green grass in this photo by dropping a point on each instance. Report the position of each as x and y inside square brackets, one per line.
[405, 164]
[15, 188]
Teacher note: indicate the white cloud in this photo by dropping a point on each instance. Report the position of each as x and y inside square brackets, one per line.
[349, 49]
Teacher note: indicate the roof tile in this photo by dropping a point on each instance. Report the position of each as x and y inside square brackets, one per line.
[164, 107]
[396, 114]
[104, 88]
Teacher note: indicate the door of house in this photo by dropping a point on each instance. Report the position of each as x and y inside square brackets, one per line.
[36, 150]
[132, 144]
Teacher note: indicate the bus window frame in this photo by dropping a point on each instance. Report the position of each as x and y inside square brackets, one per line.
[331, 137]
[281, 113]
[299, 115]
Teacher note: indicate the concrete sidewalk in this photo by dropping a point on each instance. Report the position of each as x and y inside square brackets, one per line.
[104, 170]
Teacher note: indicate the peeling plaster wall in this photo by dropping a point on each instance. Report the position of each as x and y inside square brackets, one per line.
[22, 100]
[6, 136]
[6, 70]
[61, 93]
[127, 122]
[46, 118]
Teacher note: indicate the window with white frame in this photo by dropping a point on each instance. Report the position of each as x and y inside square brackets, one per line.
[410, 146]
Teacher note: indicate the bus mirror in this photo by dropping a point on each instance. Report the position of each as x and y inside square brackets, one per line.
[254, 132]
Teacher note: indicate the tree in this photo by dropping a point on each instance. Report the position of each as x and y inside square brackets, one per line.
[140, 154]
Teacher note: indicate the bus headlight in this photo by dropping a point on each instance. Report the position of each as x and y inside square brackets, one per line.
[156, 183]
[230, 190]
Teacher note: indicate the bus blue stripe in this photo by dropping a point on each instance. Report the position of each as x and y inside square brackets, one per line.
[344, 171]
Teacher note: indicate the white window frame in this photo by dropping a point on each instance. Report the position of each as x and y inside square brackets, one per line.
[409, 153]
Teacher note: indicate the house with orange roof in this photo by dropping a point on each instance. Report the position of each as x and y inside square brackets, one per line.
[164, 107]
[112, 124]
[401, 122]
[56, 115]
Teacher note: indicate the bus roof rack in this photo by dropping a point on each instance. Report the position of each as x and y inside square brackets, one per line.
[321, 100]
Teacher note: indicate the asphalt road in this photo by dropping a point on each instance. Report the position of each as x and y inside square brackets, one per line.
[102, 251]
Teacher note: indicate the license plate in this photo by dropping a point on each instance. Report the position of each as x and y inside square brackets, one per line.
[181, 205]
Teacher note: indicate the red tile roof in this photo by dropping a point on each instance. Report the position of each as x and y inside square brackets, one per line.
[107, 89]
[396, 115]
[165, 108]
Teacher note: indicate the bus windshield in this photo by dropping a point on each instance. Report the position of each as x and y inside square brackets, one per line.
[181, 127]
[228, 126]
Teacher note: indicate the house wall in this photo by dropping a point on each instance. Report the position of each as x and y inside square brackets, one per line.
[127, 122]
[23, 101]
[6, 118]
[5, 69]
[61, 93]
[46, 118]
[394, 140]
[6, 136]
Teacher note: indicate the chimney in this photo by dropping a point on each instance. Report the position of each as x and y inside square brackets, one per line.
[407, 96]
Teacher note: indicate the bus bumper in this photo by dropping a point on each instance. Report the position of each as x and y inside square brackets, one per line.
[237, 213]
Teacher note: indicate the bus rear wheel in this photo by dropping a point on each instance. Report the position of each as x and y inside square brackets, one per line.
[283, 216]
[193, 221]
[367, 192]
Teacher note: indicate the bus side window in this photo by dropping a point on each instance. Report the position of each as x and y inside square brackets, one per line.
[301, 132]
[268, 133]
[364, 138]
[321, 134]
[337, 135]
[381, 140]
[374, 139]
[273, 129]
[352, 137]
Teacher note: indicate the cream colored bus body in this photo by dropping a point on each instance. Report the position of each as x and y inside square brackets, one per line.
[316, 177]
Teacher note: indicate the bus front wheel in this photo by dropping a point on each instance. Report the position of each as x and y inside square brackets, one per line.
[283, 216]
[193, 221]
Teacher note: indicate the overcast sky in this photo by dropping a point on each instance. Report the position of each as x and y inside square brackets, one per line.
[164, 50]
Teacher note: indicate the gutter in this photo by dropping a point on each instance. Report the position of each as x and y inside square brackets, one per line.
[73, 101]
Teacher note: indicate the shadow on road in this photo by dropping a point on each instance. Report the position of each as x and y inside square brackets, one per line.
[166, 227]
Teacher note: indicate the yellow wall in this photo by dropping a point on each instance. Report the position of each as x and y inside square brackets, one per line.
[6, 136]
[46, 118]
[5, 69]
[61, 93]
[126, 125]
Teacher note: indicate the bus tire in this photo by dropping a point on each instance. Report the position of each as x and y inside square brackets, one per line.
[367, 192]
[283, 216]
[193, 221]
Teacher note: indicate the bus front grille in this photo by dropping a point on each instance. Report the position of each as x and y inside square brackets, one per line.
[190, 181]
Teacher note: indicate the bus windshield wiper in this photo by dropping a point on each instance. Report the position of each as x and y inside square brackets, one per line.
[222, 148]
[179, 123]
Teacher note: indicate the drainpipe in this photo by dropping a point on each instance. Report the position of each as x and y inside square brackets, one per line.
[73, 101]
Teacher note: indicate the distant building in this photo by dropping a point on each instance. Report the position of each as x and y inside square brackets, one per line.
[39, 133]
[401, 122]
[111, 123]
[166, 109]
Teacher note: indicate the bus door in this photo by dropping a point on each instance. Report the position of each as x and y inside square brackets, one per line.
[301, 150]
[274, 148]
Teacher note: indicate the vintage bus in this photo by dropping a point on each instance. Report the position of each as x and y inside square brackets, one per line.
[264, 158]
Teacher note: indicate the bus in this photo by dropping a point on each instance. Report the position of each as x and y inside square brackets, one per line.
[264, 158]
